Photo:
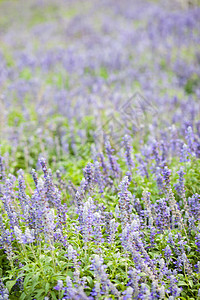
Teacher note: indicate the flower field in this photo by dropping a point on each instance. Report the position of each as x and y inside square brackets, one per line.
[99, 150]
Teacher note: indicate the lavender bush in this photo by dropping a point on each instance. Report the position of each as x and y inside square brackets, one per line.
[99, 150]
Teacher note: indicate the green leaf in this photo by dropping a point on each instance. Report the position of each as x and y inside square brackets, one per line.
[35, 282]
[47, 286]
[23, 296]
[53, 295]
[39, 293]
[26, 280]
[70, 274]
[191, 283]
[90, 281]
[182, 283]
[10, 284]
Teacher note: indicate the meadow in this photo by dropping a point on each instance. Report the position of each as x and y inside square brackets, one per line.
[99, 150]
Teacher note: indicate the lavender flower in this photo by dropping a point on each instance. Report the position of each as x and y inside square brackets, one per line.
[166, 177]
[144, 292]
[168, 253]
[99, 272]
[98, 177]
[29, 235]
[87, 216]
[132, 242]
[23, 199]
[2, 169]
[4, 294]
[89, 177]
[6, 240]
[180, 185]
[190, 139]
[194, 206]
[155, 153]
[197, 242]
[134, 278]
[186, 264]
[34, 175]
[142, 166]
[184, 153]
[147, 204]
[113, 165]
[113, 225]
[59, 285]
[19, 235]
[162, 218]
[128, 156]
[69, 292]
[43, 163]
[98, 223]
[103, 163]
[159, 180]
[128, 293]
[8, 199]
[124, 201]
[173, 289]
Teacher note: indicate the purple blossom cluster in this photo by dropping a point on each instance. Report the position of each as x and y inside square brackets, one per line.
[137, 224]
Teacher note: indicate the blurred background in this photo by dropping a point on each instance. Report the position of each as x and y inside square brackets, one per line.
[68, 67]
